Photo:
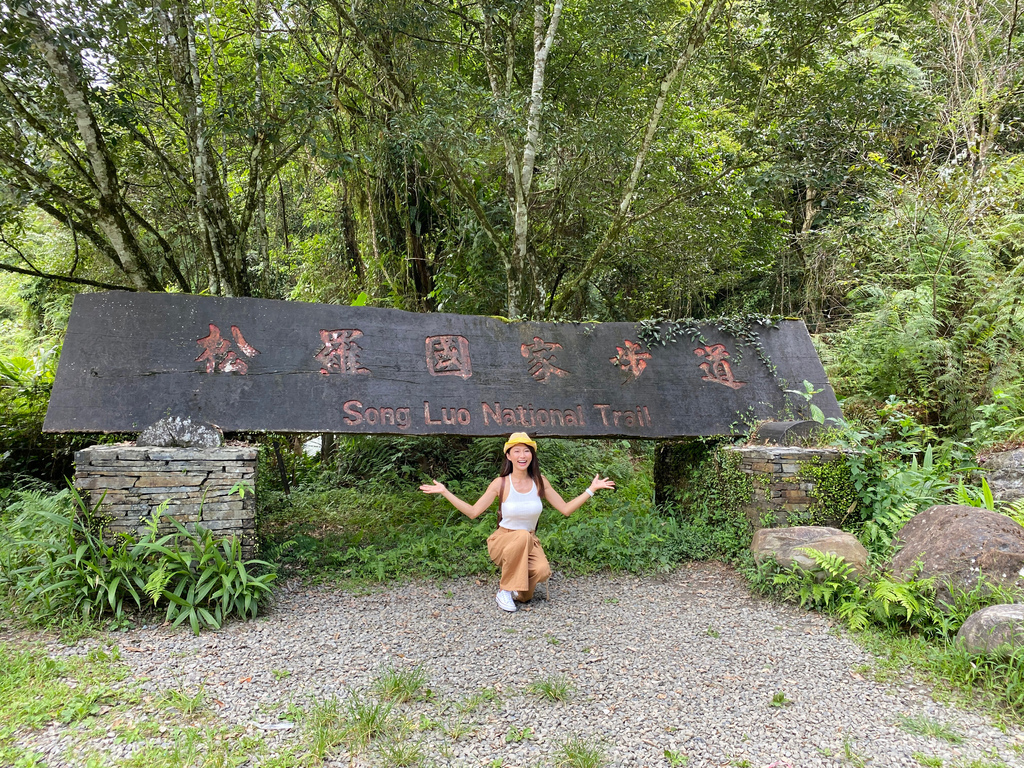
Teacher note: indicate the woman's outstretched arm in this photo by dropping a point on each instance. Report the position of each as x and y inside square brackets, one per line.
[568, 507]
[471, 511]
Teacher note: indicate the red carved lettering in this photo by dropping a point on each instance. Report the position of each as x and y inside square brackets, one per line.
[541, 355]
[449, 356]
[218, 355]
[340, 352]
[353, 415]
[630, 358]
[426, 414]
[716, 368]
[490, 413]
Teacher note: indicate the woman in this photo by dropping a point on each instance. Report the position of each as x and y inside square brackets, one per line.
[514, 546]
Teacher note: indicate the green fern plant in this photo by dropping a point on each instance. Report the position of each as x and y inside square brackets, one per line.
[831, 582]
[202, 579]
[1015, 511]
[971, 497]
[833, 586]
[879, 534]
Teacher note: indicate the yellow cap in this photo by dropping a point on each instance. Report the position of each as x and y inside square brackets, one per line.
[519, 438]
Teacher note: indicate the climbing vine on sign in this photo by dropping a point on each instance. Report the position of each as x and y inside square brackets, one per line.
[745, 329]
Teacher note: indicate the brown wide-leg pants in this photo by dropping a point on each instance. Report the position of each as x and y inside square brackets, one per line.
[521, 559]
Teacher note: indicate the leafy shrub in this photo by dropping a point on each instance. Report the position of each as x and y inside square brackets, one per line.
[25, 451]
[202, 578]
[833, 587]
[387, 530]
[936, 296]
[55, 562]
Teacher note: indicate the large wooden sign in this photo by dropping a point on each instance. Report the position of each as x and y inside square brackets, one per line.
[250, 364]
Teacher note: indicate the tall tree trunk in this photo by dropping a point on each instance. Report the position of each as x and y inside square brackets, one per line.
[522, 279]
[212, 209]
[111, 218]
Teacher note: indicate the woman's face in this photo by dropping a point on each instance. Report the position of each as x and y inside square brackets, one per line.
[520, 456]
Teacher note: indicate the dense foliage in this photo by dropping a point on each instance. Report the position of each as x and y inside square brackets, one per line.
[854, 163]
[56, 566]
[363, 517]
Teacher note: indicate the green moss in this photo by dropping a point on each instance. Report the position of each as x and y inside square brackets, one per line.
[835, 497]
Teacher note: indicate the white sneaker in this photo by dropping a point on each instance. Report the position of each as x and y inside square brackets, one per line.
[505, 601]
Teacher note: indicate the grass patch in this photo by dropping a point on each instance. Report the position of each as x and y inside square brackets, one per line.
[993, 684]
[555, 688]
[203, 746]
[459, 727]
[476, 700]
[577, 752]
[401, 753]
[365, 721]
[185, 702]
[36, 690]
[400, 685]
[919, 725]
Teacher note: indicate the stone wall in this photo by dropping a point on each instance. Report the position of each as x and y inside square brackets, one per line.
[133, 480]
[784, 485]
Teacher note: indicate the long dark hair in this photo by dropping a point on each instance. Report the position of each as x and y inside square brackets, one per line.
[533, 470]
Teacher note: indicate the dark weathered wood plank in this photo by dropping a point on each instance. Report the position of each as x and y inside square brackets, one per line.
[251, 364]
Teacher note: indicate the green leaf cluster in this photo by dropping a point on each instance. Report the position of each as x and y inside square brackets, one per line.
[55, 562]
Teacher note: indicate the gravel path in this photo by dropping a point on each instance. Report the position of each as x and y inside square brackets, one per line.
[687, 662]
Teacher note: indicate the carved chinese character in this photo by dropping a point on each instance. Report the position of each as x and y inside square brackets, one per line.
[716, 368]
[218, 354]
[340, 352]
[449, 356]
[541, 355]
[631, 358]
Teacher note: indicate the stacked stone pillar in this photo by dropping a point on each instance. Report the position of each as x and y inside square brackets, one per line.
[201, 485]
[781, 491]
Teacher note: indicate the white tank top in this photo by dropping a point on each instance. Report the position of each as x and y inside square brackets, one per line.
[520, 511]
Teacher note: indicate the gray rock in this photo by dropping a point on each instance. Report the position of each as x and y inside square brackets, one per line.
[996, 629]
[956, 544]
[785, 545]
[176, 432]
[1005, 474]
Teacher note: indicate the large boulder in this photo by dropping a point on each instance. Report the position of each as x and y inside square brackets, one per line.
[956, 544]
[996, 629]
[785, 545]
[176, 432]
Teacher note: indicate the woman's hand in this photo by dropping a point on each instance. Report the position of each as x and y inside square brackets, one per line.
[472, 511]
[435, 487]
[599, 483]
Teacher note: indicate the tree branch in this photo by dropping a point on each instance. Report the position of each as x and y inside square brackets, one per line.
[699, 29]
[33, 272]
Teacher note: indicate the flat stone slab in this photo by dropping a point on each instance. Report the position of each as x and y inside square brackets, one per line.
[129, 360]
[786, 545]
